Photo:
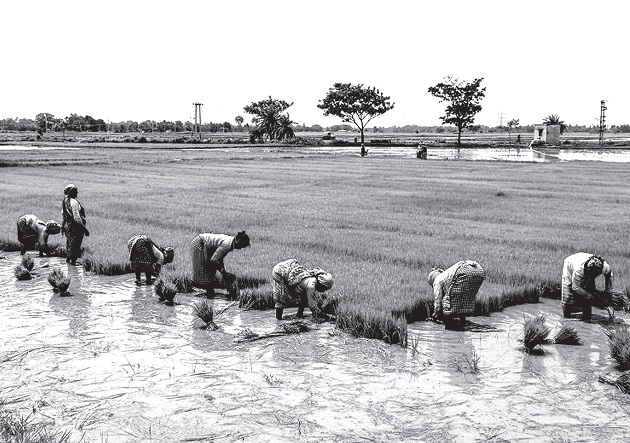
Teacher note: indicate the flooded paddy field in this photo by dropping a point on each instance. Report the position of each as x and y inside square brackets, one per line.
[110, 363]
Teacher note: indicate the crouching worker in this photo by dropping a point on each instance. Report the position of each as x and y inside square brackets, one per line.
[296, 286]
[455, 292]
[33, 232]
[578, 282]
[145, 256]
[208, 252]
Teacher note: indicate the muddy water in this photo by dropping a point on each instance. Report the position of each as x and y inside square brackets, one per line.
[112, 364]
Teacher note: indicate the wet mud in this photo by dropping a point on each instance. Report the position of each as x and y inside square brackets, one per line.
[110, 363]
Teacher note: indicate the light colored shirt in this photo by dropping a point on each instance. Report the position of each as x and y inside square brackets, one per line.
[573, 273]
[307, 286]
[39, 226]
[158, 255]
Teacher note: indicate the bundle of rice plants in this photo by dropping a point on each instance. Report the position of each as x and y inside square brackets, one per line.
[58, 280]
[535, 332]
[619, 342]
[28, 262]
[623, 382]
[166, 292]
[614, 299]
[204, 311]
[21, 273]
[566, 335]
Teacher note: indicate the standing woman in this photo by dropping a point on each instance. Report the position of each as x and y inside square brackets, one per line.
[208, 252]
[73, 223]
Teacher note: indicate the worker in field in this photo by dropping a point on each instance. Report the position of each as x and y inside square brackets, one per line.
[208, 252]
[455, 292]
[74, 222]
[147, 257]
[578, 282]
[295, 285]
[33, 232]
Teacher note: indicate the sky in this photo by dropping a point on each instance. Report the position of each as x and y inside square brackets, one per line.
[151, 60]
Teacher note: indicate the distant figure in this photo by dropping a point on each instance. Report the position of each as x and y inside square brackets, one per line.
[518, 138]
[208, 252]
[74, 222]
[33, 232]
[578, 282]
[364, 152]
[455, 292]
[422, 152]
[147, 257]
[295, 285]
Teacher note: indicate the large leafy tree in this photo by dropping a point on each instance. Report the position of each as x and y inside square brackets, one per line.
[268, 116]
[554, 119]
[464, 102]
[355, 104]
[45, 121]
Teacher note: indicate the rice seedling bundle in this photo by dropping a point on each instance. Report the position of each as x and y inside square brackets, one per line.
[58, 280]
[21, 273]
[535, 332]
[165, 291]
[28, 262]
[621, 381]
[566, 335]
[294, 327]
[617, 300]
[619, 343]
[204, 311]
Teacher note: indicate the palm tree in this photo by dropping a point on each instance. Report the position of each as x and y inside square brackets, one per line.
[284, 130]
[554, 119]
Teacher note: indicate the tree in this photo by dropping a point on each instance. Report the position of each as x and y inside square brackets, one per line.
[463, 98]
[554, 119]
[355, 104]
[285, 128]
[44, 121]
[239, 120]
[512, 124]
[267, 114]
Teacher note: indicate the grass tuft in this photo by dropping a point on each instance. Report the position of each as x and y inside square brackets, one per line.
[535, 332]
[166, 291]
[204, 311]
[619, 342]
[58, 280]
[566, 335]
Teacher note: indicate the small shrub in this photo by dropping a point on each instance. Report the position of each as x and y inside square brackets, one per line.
[566, 335]
[619, 342]
[21, 273]
[28, 262]
[535, 332]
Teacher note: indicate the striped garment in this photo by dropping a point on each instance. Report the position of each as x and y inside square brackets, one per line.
[141, 253]
[287, 288]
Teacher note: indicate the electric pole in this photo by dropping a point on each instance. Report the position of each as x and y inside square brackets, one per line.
[197, 127]
[602, 121]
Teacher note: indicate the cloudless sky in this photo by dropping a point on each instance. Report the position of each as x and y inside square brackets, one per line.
[150, 60]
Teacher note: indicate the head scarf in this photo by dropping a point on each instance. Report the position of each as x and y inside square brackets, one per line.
[241, 240]
[169, 255]
[52, 227]
[434, 273]
[324, 279]
[70, 187]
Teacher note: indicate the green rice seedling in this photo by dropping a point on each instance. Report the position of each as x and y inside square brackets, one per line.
[623, 382]
[535, 332]
[619, 343]
[467, 363]
[58, 280]
[257, 298]
[204, 311]
[21, 273]
[566, 335]
[28, 262]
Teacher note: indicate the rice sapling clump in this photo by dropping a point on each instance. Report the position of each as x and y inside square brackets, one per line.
[619, 342]
[535, 332]
[566, 335]
[21, 273]
[28, 262]
[166, 291]
[204, 311]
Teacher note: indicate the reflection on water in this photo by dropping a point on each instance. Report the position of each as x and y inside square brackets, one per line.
[113, 364]
[531, 155]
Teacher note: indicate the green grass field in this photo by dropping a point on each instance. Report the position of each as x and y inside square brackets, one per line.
[378, 224]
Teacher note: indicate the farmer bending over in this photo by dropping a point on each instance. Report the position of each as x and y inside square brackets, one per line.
[455, 292]
[32, 231]
[208, 252]
[296, 285]
[147, 257]
[578, 282]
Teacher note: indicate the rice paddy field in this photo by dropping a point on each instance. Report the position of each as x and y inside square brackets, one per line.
[378, 224]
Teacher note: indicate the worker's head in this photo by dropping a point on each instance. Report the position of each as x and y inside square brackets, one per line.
[324, 281]
[435, 271]
[71, 190]
[241, 240]
[594, 266]
[52, 227]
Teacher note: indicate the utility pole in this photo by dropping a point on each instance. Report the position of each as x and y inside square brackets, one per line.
[501, 114]
[197, 127]
[602, 121]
